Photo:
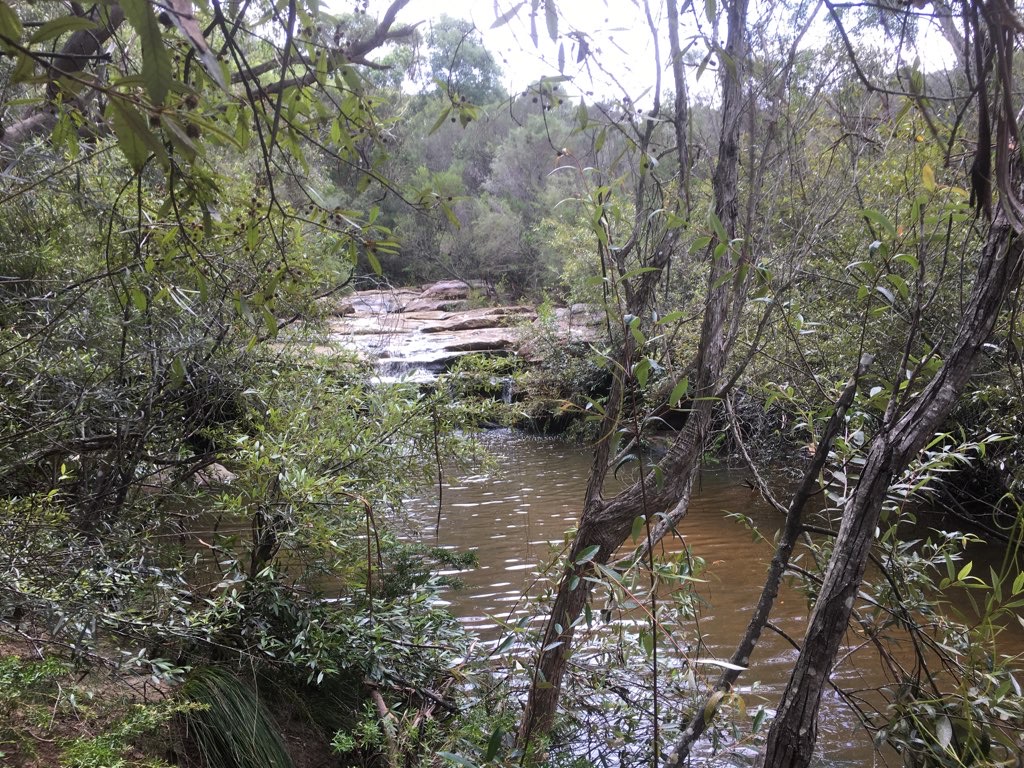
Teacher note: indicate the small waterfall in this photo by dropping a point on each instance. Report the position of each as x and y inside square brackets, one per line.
[412, 335]
[391, 370]
[507, 390]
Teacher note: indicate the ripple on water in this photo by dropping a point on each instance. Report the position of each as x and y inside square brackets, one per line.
[545, 481]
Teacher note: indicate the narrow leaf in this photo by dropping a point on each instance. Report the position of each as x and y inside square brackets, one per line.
[879, 220]
[588, 554]
[678, 392]
[57, 27]
[156, 63]
[494, 744]
[638, 528]
[720, 663]
[551, 17]
[928, 178]
[138, 299]
[582, 116]
[506, 17]
[712, 705]
[440, 120]
[130, 129]
[10, 25]
[183, 17]
[457, 759]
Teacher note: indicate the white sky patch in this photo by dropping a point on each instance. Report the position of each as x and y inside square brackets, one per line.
[621, 60]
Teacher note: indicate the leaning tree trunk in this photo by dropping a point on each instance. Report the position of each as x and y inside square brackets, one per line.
[792, 737]
[791, 530]
[606, 523]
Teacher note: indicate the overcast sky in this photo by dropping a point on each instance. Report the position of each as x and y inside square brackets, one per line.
[619, 38]
[616, 30]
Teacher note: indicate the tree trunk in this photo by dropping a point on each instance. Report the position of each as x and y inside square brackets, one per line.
[783, 551]
[81, 49]
[792, 737]
[607, 523]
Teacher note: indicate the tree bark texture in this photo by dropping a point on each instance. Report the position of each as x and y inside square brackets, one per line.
[82, 48]
[793, 734]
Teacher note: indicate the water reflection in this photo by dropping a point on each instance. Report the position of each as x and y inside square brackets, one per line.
[516, 518]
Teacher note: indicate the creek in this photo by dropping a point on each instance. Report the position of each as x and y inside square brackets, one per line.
[515, 515]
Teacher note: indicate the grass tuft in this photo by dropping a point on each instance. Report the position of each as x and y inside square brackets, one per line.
[232, 728]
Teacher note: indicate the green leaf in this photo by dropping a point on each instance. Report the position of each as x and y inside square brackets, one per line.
[900, 284]
[156, 63]
[879, 220]
[910, 260]
[494, 744]
[440, 120]
[718, 227]
[671, 317]
[712, 705]
[723, 278]
[582, 116]
[457, 759]
[138, 299]
[60, 25]
[678, 392]
[177, 373]
[710, 10]
[623, 461]
[269, 321]
[928, 178]
[24, 70]
[758, 720]
[610, 573]
[638, 528]
[10, 25]
[371, 257]
[965, 571]
[646, 642]
[588, 554]
[352, 79]
[700, 244]
[704, 64]
[551, 18]
[133, 135]
[642, 371]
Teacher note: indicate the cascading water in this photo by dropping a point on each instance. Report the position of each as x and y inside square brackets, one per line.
[417, 335]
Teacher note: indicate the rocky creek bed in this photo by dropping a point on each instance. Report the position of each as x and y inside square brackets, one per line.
[417, 333]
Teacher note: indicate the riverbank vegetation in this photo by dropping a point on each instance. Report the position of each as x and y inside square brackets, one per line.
[796, 245]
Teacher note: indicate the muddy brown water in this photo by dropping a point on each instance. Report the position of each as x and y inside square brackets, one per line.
[515, 516]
